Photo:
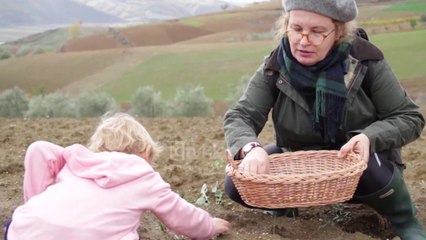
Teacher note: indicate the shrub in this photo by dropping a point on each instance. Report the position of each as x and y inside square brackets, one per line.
[39, 90]
[38, 51]
[423, 17]
[74, 30]
[13, 103]
[191, 101]
[147, 102]
[95, 104]
[413, 23]
[51, 105]
[4, 54]
[236, 90]
[23, 51]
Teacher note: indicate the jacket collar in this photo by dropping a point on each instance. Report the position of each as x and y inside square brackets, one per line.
[363, 50]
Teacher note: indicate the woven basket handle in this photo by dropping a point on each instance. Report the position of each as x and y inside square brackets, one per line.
[231, 160]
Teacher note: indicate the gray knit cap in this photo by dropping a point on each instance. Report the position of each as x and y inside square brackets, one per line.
[340, 10]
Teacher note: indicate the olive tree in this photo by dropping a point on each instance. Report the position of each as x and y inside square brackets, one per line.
[13, 103]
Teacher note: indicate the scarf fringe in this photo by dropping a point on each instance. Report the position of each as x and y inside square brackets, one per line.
[329, 114]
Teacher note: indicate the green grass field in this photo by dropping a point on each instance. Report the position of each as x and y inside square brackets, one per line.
[413, 5]
[213, 69]
[406, 52]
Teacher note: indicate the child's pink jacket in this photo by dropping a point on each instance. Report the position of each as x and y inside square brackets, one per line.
[74, 194]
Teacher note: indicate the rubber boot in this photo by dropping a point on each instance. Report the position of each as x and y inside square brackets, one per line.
[394, 203]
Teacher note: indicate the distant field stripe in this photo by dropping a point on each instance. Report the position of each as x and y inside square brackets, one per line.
[213, 69]
[405, 51]
[191, 22]
[408, 6]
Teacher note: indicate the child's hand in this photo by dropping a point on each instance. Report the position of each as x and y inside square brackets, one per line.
[221, 226]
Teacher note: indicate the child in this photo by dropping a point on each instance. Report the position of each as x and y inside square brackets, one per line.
[100, 192]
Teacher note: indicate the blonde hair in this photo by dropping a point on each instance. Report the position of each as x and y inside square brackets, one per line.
[345, 30]
[121, 132]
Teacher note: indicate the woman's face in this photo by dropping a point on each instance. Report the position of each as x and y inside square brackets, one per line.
[311, 23]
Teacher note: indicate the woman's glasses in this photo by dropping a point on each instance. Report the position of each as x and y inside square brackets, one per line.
[295, 36]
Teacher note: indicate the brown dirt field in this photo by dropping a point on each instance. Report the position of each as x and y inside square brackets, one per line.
[162, 33]
[94, 42]
[238, 26]
[194, 155]
[231, 25]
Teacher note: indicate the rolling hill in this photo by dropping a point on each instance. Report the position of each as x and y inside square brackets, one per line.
[212, 50]
[32, 13]
[144, 11]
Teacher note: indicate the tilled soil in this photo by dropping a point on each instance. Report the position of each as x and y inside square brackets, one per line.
[194, 155]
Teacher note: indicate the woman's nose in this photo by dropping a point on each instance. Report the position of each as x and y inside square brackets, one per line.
[304, 41]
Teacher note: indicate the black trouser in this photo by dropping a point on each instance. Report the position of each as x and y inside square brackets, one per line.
[377, 175]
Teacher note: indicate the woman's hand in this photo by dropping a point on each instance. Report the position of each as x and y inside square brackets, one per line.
[221, 226]
[256, 161]
[359, 144]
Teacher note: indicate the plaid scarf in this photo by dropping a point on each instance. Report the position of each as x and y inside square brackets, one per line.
[322, 85]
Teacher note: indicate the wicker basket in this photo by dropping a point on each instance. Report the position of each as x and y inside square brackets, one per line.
[300, 179]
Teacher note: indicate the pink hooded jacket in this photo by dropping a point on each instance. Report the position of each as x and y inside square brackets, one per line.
[72, 193]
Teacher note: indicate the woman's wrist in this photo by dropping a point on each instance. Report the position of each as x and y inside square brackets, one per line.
[247, 148]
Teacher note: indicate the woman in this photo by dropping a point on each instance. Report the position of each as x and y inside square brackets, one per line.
[329, 89]
[101, 192]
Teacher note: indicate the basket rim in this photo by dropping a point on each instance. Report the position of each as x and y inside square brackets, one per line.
[354, 169]
[301, 189]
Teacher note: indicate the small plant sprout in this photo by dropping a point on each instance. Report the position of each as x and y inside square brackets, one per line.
[204, 199]
[217, 194]
[339, 215]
